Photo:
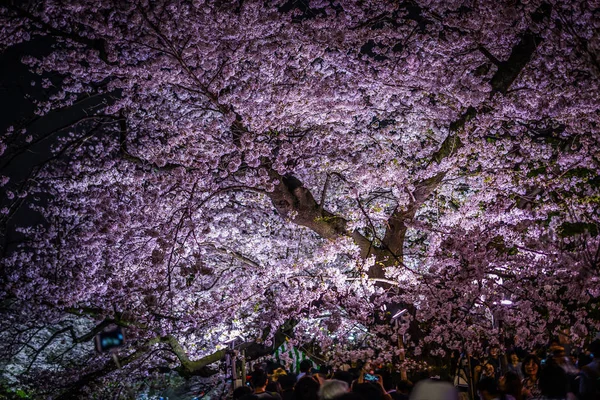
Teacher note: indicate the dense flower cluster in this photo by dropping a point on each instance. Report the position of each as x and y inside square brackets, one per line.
[253, 165]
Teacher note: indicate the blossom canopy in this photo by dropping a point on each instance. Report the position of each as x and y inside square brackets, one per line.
[256, 170]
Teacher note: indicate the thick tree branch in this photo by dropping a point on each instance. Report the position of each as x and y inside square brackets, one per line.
[508, 71]
[232, 253]
[74, 389]
[520, 55]
[292, 200]
[69, 329]
[189, 367]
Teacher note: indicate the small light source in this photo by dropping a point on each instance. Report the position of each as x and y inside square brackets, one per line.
[110, 339]
[399, 314]
[506, 302]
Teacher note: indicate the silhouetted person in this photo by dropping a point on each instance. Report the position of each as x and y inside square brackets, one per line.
[305, 367]
[554, 382]
[589, 385]
[307, 388]
[260, 388]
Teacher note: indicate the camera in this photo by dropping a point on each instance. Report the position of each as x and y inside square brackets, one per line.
[108, 340]
[371, 378]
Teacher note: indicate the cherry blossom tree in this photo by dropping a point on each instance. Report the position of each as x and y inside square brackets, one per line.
[257, 169]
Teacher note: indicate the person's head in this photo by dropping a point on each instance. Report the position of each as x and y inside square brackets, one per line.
[488, 370]
[250, 396]
[511, 384]
[305, 366]
[240, 392]
[355, 372]
[260, 381]
[344, 376]
[278, 373]
[368, 390]
[514, 358]
[554, 345]
[390, 380]
[405, 386]
[530, 366]
[487, 388]
[553, 381]
[332, 388]
[493, 351]
[558, 354]
[287, 382]
[324, 371]
[307, 388]
[273, 387]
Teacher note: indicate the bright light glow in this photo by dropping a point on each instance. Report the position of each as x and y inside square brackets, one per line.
[506, 303]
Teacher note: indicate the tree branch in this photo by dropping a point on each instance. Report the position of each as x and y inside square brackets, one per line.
[189, 367]
[74, 389]
[292, 199]
[520, 55]
[508, 71]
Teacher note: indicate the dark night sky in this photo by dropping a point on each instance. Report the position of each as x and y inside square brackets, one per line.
[16, 95]
[15, 85]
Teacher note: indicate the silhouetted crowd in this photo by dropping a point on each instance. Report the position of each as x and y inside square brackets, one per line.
[552, 374]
